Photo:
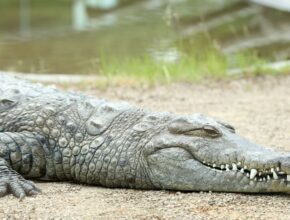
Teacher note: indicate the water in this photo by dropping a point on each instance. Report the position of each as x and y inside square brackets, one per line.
[65, 37]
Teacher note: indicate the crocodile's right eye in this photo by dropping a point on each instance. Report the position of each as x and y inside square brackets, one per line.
[212, 131]
[186, 127]
[204, 131]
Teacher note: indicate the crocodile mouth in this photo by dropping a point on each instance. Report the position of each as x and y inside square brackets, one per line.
[252, 173]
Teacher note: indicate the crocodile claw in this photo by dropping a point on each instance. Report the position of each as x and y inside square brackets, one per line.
[12, 183]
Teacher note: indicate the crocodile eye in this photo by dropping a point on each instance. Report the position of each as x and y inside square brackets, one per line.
[212, 131]
[185, 127]
[205, 131]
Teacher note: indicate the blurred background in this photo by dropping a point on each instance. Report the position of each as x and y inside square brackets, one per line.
[149, 40]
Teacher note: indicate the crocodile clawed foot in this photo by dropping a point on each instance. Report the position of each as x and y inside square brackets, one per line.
[13, 183]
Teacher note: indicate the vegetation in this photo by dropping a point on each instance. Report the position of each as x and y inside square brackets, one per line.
[125, 51]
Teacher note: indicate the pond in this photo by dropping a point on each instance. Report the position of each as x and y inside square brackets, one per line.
[136, 37]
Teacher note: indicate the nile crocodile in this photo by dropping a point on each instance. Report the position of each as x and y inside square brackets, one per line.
[53, 135]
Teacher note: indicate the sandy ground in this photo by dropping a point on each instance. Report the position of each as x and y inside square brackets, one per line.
[260, 111]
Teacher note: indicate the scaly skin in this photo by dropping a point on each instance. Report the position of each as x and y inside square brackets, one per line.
[53, 135]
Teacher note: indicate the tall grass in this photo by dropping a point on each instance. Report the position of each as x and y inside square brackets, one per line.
[189, 67]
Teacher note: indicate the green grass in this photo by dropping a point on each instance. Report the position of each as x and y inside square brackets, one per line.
[188, 68]
[193, 66]
[119, 55]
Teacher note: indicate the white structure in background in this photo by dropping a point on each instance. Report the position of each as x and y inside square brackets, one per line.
[80, 16]
[102, 4]
[283, 5]
[81, 20]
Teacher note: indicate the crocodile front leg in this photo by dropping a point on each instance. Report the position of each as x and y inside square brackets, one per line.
[20, 154]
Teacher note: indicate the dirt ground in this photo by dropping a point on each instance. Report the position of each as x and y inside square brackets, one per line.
[260, 111]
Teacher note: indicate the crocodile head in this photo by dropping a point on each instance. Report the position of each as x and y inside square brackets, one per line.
[197, 153]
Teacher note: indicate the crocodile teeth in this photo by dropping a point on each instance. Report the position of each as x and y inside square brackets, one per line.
[275, 176]
[288, 177]
[235, 168]
[268, 177]
[242, 170]
[227, 167]
[214, 165]
[253, 173]
[222, 167]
